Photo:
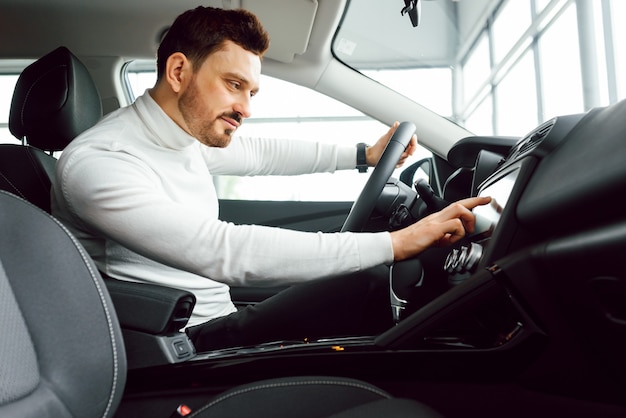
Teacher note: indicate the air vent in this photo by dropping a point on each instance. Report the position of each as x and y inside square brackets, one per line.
[531, 141]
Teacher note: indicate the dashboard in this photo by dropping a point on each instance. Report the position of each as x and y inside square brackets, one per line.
[541, 282]
[506, 172]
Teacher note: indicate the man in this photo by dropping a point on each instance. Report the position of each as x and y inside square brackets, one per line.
[137, 191]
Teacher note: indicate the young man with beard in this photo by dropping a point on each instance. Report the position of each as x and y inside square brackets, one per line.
[137, 191]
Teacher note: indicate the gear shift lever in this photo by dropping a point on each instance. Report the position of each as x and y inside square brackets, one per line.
[433, 202]
[404, 277]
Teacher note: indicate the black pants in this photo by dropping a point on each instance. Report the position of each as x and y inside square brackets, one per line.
[352, 305]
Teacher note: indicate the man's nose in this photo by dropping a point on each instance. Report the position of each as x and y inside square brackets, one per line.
[243, 107]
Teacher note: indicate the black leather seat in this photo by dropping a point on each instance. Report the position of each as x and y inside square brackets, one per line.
[55, 99]
[61, 350]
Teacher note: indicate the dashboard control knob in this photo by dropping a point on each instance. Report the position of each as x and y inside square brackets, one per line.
[451, 261]
[463, 259]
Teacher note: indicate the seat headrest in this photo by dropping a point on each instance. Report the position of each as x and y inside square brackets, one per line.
[55, 99]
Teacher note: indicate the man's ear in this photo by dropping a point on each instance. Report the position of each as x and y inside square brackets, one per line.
[177, 67]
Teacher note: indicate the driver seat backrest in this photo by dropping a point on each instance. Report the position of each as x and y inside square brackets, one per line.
[61, 349]
[54, 100]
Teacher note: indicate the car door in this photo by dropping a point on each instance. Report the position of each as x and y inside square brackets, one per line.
[309, 216]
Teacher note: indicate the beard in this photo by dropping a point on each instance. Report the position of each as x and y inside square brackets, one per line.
[205, 131]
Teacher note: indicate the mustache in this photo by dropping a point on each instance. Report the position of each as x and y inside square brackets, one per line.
[235, 116]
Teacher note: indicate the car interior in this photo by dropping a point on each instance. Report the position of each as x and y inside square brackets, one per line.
[525, 316]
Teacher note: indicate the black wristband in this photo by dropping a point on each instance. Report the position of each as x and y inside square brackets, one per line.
[361, 160]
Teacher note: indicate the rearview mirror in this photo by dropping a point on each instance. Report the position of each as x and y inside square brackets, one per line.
[414, 9]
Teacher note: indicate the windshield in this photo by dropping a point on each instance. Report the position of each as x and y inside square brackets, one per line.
[496, 67]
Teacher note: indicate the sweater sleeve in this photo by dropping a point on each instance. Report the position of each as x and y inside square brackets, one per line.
[120, 199]
[272, 156]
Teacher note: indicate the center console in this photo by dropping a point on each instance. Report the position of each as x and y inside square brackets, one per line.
[496, 222]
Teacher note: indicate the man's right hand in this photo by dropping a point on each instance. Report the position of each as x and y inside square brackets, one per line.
[438, 229]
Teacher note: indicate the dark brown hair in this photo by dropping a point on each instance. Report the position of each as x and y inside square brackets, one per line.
[201, 31]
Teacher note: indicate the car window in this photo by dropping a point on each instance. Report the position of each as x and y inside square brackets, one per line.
[541, 58]
[285, 110]
[7, 84]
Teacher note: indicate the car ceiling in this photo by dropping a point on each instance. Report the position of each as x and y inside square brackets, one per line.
[133, 27]
[31, 28]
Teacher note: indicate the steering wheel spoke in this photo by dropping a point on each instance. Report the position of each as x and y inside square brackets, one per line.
[365, 203]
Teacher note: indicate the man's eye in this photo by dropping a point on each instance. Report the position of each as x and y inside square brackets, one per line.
[235, 85]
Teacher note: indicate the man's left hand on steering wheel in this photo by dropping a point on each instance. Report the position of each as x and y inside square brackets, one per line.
[374, 152]
[395, 144]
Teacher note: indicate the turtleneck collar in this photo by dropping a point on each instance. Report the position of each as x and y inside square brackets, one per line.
[165, 131]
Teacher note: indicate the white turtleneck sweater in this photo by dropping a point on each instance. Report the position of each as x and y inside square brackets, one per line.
[137, 191]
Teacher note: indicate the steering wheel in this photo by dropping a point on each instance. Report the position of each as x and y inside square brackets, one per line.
[365, 203]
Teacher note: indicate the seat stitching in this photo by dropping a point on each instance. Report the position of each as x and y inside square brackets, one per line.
[92, 274]
[36, 168]
[12, 185]
[30, 159]
[287, 384]
[86, 261]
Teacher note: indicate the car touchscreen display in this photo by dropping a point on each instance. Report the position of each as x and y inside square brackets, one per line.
[487, 216]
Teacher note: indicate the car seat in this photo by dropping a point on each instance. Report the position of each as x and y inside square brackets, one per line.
[55, 99]
[61, 350]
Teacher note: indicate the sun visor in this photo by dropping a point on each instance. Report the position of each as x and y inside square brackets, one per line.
[289, 23]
